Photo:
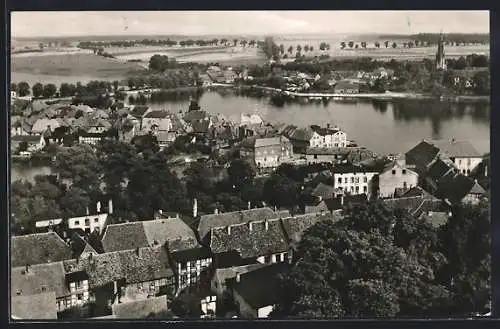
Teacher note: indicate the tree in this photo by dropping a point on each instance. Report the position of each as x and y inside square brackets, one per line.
[372, 262]
[13, 87]
[299, 48]
[351, 44]
[66, 90]
[363, 44]
[290, 49]
[342, 45]
[158, 63]
[235, 42]
[240, 173]
[23, 89]
[377, 44]
[79, 165]
[306, 48]
[74, 202]
[281, 191]
[386, 43]
[282, 49]
[482, 85]
[394, 45]
[37, 89]
[461, 63]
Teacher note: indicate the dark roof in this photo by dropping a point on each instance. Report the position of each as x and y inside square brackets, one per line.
[350, 168]
[190, 254]
[287, 131]
[195, 115]
[477, 189]
[145, 264]
[455, 188]
[302, 134]
[438, 169]
[149, 234]
[157, 114]
[418, 191]
[324, 191]
[40, 278]
[232, 218]
[416, 205]
[256, 242]
[201, 126]
[454, 148]
[34, 307]
[38, 249]
[297, 225]
[259, 288]
[138, 111]
[323, 131]
[422, 154]
[124, 236]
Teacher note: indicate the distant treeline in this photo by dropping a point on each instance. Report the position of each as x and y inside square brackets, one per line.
[167, 42]
[433, 38]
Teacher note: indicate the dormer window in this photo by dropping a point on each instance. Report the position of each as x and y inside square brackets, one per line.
[404, 171]
[394, 171]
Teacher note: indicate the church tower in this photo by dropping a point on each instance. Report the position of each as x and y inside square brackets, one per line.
[440, 60]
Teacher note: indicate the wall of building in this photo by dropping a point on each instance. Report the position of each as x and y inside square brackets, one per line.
[245, 310]
[189, 272]
[321, 158]
[397, 177]
[471, 199]
[142, 290]
[208, 305]
[339, 139]
[89, 223]
[264, 312]
[275, 258]
[354, 183]
[466, 165]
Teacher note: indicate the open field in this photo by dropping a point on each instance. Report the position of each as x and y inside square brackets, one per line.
[71, 65]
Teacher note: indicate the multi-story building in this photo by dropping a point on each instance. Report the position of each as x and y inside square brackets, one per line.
[271, 152]
[394, 178]
[327, 137]
[354, 179]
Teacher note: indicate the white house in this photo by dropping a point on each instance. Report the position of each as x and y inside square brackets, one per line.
[462, 153]
[327, 137]
[88, 223]
[35, 142]
[354, 180]
[250, 119]
[396, 176]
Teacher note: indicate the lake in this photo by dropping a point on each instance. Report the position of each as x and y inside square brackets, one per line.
[383, 127]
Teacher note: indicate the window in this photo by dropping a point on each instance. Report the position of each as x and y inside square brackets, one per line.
[394, 171]
[404, 171]
[315, 156]
[365, 179]
[459, 161]
[405, 186]
[77, 222]
[468, 162]
[352, 179]
[340, 180]
[267, 259]
[357, 180]
[365, 189]
[357, 189]
[345, 180]
[352, 189]
[87, 221]
[79, 297]
[78, 285]
[96, 220]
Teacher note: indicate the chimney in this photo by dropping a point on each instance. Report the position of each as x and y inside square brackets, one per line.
[250, 226]
[275, 209]
[328, 125]
[229, 230]
[110, 206]
[266, 223]
[27, 268]
[90, 257]
[216, 211]
[485, 171]
[342, 200]
[195, 208]
[238, 278]
[138, 252]
[249, 205]
[87, 210]
[98, 206]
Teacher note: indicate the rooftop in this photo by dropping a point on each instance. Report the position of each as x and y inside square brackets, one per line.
[422, 154]
[263, 142]
[39, 279]
[38, 249]
[453, 148]
[41, 306]
[157, 115]
[139, 309]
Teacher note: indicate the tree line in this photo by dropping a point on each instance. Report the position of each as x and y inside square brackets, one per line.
[169, 43]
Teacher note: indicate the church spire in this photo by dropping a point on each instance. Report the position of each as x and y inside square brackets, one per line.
[440, 59]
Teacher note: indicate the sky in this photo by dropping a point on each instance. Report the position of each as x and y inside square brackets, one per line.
[48, 24]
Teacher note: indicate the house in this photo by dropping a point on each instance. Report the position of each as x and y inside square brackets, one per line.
[41, 125]
[334, 204]
[354, 179]
[205, 80]
[299, 137]
[41, 306]
[34, 142]
[462, 153]
[230, 76]
[459, 188]
[91, 138]
[165, 138]
[250, 119]
[120, 277]
[346, 87]
[271, 152]
[222, 275]
[97, 126]
[156, 121]
[263, 241]
[439, 169]
[46, 282]
[396, 176]
[324, 192]
[210, 221]
[139, 111]
[38, 248]
[255, 293]
[417, 202]
[187, 257]
[89, 223]
[421, 156]
[327, 137]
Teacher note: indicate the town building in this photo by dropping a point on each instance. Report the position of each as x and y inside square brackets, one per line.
[464, 156]
[346, 87]
[34, 143]
[395, 179]
[354, 179]
[327, 137]
[255, 293]
[156, 121]
[268, 152]
[89, 223]
[40, 248]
